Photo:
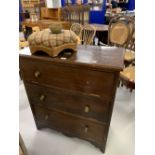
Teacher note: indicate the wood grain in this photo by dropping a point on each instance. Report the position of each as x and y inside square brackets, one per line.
[74, 95]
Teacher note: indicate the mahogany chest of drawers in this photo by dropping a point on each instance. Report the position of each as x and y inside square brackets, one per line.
[75, 95]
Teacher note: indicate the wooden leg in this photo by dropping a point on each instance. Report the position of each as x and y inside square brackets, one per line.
[40, 126]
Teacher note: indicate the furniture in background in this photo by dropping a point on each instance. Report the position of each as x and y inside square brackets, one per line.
[76, 14]
[120, 31]
[127, 77]
[110, 15]
[130, 49]
[101, 33]
[42, 24]
[77, 29]
[29, 5]
[88, 34]
[52, 13]
[74, 95]
[38, 7]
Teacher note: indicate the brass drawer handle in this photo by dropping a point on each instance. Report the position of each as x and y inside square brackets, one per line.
[42, 98]
[86, 109]
[86, 129]
[46, 117]
[37, 74]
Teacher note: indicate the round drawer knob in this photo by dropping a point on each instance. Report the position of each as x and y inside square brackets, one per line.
[86, 129]
[42, 98]
[37, 74]
[86, 109]
[46, 117]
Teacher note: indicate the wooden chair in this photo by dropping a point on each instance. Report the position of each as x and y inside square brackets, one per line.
[120, 30]
[76, 14]
[127, 77]
[88, 34]
[38, 7]
[77, 29]
[122, 34]
[130, 49]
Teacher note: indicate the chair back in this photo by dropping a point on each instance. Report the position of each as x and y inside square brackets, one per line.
[88, 34]
[77, 29]
[120, 30]
[76, 14]
[131, 41]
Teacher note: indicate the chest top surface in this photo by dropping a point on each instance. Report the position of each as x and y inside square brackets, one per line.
[96, 57]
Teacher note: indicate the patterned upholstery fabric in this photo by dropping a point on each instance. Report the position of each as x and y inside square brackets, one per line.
[48, 39]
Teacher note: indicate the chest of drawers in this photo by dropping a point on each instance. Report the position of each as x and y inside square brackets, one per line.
[76, 95]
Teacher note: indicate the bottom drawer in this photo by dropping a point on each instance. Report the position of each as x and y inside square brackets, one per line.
[70, 124]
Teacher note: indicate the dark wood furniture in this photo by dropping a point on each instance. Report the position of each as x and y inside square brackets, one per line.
[42, 24]
[52, 13]
[45, 23]
[74, 95]
[76, 14]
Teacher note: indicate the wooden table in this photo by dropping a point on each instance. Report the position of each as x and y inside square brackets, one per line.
[100, 27]
[42, 24]
[101, 32]
[45, 23]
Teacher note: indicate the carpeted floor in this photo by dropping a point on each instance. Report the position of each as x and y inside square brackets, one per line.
[49, 142]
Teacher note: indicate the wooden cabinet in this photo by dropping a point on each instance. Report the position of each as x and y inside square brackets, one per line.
[75, 95]
[52, 13]
[29, 5]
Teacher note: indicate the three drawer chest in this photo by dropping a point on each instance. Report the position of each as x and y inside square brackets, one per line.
[74, 95]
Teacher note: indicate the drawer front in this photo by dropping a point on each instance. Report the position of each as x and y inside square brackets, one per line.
[69, 101]
[70, 124]
[67, 77]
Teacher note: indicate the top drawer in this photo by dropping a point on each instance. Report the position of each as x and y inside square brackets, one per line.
[67, 77]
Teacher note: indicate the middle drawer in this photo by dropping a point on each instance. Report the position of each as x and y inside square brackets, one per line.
[74, 102]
